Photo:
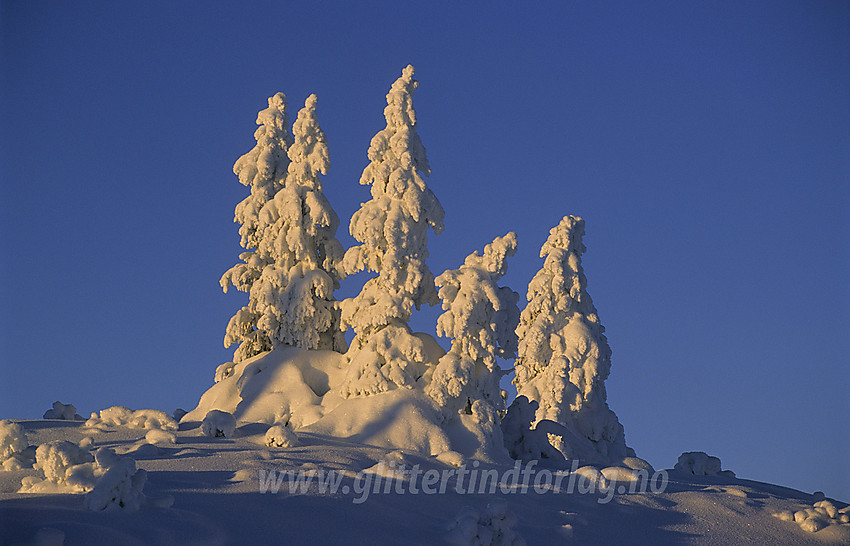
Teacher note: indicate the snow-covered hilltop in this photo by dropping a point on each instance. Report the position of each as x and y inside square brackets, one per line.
[303, 423]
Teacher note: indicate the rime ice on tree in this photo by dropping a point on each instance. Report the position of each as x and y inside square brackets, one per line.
[480, 317]
[564, 357]
[263, 169]
[293, 296]
[392, 227]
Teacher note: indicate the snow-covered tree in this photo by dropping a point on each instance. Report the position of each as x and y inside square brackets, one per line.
[392, 227]
[263, 169]
[481, 318]
[293, 295]
[564, 357]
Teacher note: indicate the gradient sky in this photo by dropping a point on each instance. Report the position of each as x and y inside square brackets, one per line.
[706, 144]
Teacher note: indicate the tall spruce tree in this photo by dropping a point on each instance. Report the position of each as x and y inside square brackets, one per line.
[294, 294]
[564, 357]
[392, 229]
[263, 170]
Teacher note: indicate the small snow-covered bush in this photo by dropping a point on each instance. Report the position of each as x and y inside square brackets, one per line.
[157, 436]
[699, 463]
[14, 451]
[218, 424]
[119, 487]
[57, 457]
[145, 419]
[493, 527]
[66, 412]
[822, 514]
[281, 436]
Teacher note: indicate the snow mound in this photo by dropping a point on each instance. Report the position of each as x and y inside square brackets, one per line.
[218, 424]
[398, 419]
[145, 419]
[821, 515]
[699, 463]
[15, 453]
[157, 436]
[120, 487]
[302, 387]
[286, 383]
[493, 527]
[66, 412]
[281, 436]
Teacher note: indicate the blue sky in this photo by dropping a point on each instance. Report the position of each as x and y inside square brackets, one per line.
[707, 146]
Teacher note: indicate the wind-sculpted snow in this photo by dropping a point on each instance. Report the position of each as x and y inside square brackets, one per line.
[392, 226]
[564, 357]
[480, 317]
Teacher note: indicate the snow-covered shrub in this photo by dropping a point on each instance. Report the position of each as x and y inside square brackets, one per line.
[392, 226]
[392, 357]
[493, 527]
[263, 169]
[523, 440]
[281, 436]
[14, 447]
[178, 414]
[145, 419]
[120, 487]
[63, 411]
[218, 424]
[564, 357]
[157, 436]
[65, 463]
[822, 514]
[480, 317]
[698, 463]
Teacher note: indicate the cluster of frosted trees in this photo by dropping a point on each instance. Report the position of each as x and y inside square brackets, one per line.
[293, 263]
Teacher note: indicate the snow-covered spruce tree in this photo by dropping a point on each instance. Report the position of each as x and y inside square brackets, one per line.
[392, 227]
[481, 318]
[263, 169]
[564, 357]
[293, 296]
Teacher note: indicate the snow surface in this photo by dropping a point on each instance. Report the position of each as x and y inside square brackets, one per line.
[204, 492]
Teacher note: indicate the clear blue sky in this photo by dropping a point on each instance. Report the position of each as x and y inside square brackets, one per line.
[706, 144]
